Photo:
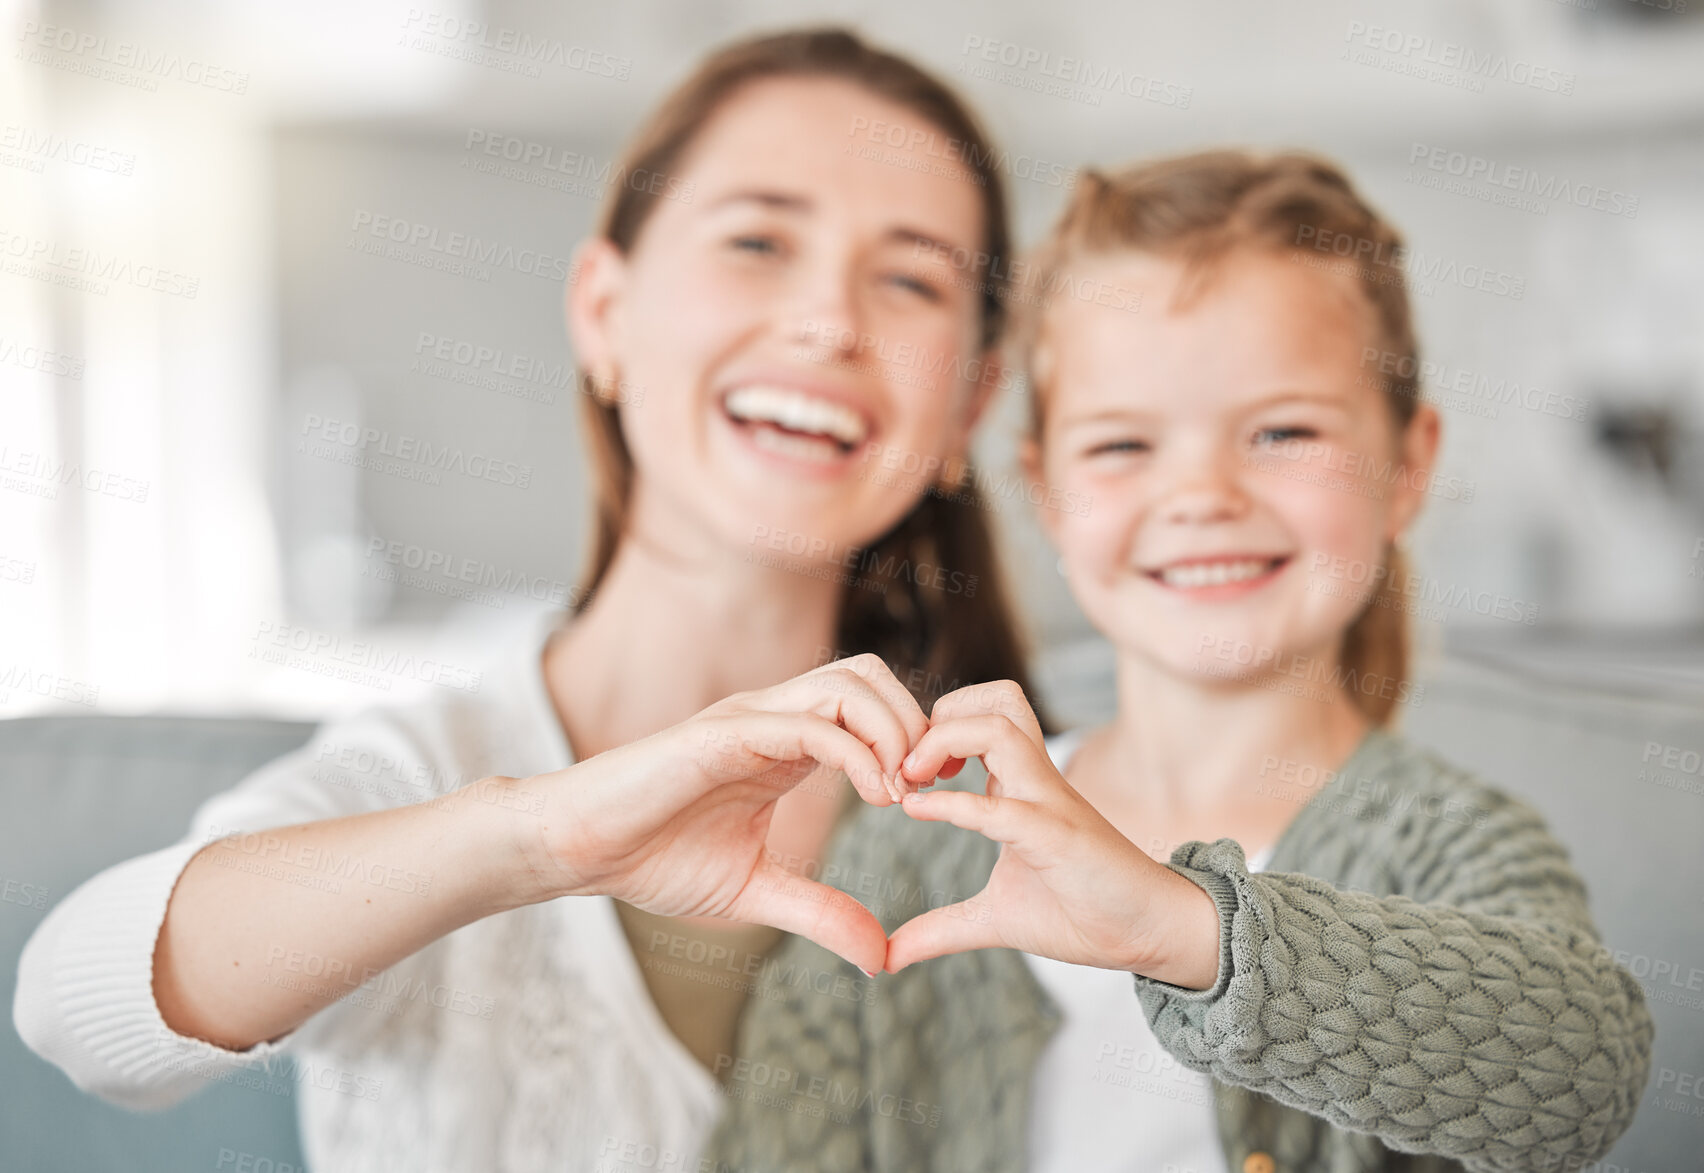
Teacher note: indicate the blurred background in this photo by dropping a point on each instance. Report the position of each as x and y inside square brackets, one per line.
[183, 289]
[188, 290]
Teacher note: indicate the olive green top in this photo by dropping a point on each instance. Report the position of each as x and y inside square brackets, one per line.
[1415, 972]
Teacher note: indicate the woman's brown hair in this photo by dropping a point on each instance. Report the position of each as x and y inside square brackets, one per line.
[1198, 209]
[936, 640]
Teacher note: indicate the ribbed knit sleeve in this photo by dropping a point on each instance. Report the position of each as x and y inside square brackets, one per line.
[1472, 1012]
[85, 998]
[85, 995]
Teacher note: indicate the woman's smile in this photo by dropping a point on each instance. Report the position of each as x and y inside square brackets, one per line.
[795, 426]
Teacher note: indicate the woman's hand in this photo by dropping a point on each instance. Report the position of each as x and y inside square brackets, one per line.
[676, 823]
[1066, 885]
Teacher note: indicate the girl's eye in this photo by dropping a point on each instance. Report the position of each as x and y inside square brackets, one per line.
[1119, 448]
[756, 245]
[1270, 436]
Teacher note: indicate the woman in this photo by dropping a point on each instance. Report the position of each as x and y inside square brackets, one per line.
[444, 1009]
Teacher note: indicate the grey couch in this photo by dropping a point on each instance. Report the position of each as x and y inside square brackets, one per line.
[83, 793]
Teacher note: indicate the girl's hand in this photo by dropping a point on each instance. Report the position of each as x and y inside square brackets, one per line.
[676, 823]
[1066, 884]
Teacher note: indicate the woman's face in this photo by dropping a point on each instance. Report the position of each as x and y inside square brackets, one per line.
[791, 335]
[1245, 475]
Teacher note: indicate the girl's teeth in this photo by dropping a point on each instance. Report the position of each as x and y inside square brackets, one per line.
[1200, 574]
[797, 412]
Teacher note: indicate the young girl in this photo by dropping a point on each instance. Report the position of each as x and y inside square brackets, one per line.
[1392, 968]
[445, 1011]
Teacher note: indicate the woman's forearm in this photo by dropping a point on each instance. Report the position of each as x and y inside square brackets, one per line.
[264, 929]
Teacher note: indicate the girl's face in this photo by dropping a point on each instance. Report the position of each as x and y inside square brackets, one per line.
[794, 336]
[1245, 476]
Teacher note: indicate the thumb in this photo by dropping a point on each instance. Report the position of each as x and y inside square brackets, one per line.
[807, 908]
[953, 928]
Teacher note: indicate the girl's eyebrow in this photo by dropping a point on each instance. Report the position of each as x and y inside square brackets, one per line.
[1120, 415]
[1279, 398]
[1111, 415]
[780, 201]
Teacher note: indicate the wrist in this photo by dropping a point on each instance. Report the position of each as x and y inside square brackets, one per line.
[506, 819]
[1182, 948]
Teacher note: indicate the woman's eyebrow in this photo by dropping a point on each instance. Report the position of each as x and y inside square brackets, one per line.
[925, 246]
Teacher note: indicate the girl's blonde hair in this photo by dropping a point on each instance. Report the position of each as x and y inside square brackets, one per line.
[1200, 208]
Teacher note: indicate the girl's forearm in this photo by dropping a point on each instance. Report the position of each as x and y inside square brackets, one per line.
[264, 929]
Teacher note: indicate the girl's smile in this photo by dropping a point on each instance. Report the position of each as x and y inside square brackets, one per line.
[1219, 578]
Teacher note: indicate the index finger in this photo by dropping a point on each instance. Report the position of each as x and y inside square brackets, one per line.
[1001, 698]
[880, 677]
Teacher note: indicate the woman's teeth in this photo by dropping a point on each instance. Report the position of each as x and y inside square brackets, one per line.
[1189, 575]
[798, 447]
[803, 417]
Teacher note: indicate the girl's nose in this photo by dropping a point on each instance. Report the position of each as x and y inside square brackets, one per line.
[1203, 489]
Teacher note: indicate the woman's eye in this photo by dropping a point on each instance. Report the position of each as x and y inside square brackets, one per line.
[1270, 436]
[915, 285]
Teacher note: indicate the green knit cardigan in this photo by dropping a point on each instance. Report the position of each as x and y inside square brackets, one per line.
[1414, 983]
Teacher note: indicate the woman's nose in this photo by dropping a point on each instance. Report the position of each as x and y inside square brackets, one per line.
[824, 309]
